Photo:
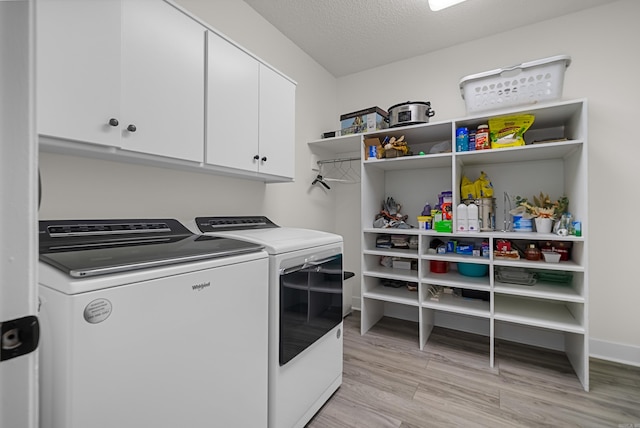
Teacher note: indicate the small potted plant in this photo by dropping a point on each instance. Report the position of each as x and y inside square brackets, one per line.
[543, 210]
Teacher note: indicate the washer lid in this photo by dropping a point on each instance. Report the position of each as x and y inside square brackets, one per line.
[96, 247]
[262, 231]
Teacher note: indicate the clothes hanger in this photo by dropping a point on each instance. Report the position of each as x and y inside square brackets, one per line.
[320, 179]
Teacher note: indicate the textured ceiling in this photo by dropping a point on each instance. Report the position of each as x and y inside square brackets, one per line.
[348, 36]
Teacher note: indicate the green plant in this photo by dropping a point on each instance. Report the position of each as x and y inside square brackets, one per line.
[543, 206]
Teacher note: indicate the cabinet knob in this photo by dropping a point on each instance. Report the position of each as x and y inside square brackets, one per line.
[131, 128]
[264, 159]
[113, 121]
[256, 157]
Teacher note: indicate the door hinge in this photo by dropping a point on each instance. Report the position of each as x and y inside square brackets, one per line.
[19, 337]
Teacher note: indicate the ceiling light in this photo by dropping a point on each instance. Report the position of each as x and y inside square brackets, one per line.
[436, 5]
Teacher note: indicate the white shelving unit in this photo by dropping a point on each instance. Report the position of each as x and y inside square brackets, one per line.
[547, 308]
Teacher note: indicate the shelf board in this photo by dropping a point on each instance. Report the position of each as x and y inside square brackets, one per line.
[392, 231]
[533, 236]
[454, 279]
[536, 313]
[440, 160]
[460, 305]
[408, 254]
[391, 273]
[414, 134]
[563, 265]
[395, 295]
[547, 115]
[540, 290]
[339, 145]
[417, 134]
[453, 257]
[526, 236]
[531, 152]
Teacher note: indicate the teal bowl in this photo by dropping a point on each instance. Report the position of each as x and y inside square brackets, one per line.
[473, 269]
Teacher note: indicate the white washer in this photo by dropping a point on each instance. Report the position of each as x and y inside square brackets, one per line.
[146, 325]
[305, 312]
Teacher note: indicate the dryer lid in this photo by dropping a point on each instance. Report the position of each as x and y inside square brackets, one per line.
[260, 230]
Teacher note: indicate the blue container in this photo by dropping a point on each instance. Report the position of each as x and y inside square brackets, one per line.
[472, 269]
[521, 224]
[373, 152]
[472, 140]
[462, 139]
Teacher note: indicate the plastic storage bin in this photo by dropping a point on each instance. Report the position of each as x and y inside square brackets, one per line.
[526, 83]
[472, 269]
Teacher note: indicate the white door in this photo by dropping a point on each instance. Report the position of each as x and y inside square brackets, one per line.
[162, 81]
[79, 70]
[232, 106]
[18, 189]
[277, 124]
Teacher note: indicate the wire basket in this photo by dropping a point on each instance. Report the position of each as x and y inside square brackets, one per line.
[526, 83]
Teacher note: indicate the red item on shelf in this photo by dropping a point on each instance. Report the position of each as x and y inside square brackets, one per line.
[503, 245]
[439, 266]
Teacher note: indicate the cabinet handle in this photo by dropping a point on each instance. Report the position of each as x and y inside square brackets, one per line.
[256, 157]
[131, 128]
[113, 121]
[264, 159]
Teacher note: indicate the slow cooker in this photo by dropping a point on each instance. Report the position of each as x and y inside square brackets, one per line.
[410, 113]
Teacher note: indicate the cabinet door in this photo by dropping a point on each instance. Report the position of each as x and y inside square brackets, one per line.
[232, 106]
[277, 124]
[162, 81]
[78, 70]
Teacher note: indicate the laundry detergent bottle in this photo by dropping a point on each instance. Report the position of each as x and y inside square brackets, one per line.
[462, 218]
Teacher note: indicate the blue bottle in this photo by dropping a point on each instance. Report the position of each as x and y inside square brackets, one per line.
[462, 139]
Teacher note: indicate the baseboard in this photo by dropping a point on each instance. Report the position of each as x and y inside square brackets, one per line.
[616, 352]
[356, 301]
[600, 349]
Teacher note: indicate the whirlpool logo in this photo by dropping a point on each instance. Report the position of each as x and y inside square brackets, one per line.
[200, 287]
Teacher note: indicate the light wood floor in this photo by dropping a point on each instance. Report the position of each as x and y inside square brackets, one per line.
[389, 382]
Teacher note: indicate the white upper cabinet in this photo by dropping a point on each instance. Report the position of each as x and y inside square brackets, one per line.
[78, 70]
[142, 81]
[232, 105]
[250, 113]
[277, 123]
[127, 74]
[162, 81]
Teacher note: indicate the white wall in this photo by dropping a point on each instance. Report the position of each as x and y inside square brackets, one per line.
[601, 42]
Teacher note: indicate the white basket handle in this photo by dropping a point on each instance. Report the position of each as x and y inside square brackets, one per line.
[511, 71]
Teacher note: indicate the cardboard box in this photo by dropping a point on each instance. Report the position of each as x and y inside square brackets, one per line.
[372, 148]
[465, 249]
[367, 120]
[393, 153]
[402, 264]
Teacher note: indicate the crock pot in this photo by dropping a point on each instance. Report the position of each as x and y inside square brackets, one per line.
[410, 113]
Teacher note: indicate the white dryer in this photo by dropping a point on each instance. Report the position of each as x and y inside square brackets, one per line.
[145, 324]
[305, 312]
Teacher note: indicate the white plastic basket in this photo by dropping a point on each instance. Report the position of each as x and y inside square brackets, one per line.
[526, 83]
